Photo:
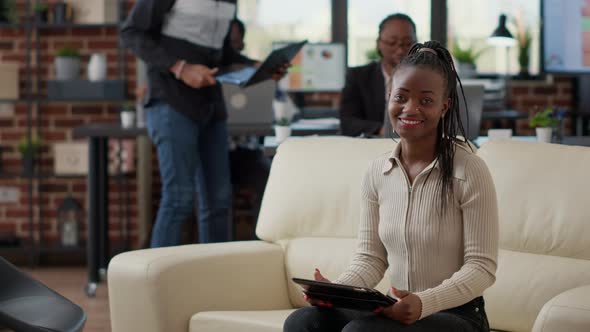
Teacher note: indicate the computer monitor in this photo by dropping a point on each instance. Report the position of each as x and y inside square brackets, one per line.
[566, 36]
[318, 67]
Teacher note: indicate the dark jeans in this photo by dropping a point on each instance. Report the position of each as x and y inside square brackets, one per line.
[470, 317]
[193, 158]
[249, 170]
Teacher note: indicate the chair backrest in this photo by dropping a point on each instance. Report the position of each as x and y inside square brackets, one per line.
[26, 305]
[474, 96]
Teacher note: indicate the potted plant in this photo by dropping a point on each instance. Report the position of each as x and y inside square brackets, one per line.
[8, 11]
[41, 12]
[544, 122]
[466, 58]
[67, 64]
[128, 116]
[525, 39]
[29, 150]
[282, 129]
[372, 55]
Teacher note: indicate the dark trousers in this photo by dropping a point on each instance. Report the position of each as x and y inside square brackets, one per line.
[470, 317]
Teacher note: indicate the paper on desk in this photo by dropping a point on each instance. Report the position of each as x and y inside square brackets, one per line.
[321, 123]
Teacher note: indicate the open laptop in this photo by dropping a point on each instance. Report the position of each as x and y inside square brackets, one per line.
[251, 75]
[251, 105]
[474, 93]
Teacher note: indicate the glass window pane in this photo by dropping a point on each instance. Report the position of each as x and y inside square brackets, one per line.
[471, 22]
[363, 24]
[270, 21]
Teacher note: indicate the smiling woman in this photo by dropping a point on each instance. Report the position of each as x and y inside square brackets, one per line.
[428, 211]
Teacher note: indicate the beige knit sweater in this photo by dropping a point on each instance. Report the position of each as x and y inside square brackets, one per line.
[447, 261]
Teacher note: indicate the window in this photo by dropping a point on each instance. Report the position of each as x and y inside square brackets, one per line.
[269, 21]
[471, 22]
[364, 19]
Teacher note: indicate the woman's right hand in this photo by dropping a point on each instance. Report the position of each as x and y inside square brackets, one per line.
[317, 275]
[198, 76]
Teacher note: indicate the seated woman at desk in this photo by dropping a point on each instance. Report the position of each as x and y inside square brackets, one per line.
[428, 210]
[363, 103]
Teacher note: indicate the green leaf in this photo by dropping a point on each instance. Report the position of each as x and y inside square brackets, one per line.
[68, 51]
[544, 118]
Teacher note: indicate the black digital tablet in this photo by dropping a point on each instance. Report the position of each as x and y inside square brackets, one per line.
[344, 296]
[252, 75]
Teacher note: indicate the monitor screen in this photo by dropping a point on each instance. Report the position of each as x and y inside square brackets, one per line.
[566, 36]
[317, 67]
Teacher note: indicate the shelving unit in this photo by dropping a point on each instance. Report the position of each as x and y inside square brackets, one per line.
[34, 244]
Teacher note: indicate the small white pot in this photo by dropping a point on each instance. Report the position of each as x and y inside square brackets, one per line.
[67, 68]
[282, 132]
[127, 119]
[97, 67]
[544, 134]
[467, 70]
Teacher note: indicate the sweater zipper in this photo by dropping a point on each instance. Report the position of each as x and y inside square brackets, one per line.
[406, 223]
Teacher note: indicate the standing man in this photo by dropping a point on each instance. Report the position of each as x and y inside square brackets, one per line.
[182, 42]
[365, 93]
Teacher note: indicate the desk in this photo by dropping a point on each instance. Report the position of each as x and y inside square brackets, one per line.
[98, 134]
[568, 140]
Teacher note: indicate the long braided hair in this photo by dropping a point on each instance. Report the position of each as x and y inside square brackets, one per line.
[450, 126]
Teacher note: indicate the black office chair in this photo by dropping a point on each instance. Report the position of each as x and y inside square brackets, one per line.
[26, 305]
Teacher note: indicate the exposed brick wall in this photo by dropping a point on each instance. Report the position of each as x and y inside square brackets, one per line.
[532, 96]
[55, 121]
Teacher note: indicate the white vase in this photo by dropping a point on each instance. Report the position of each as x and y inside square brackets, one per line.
[282, 132]
[544, 134]
[97, 67]
[127, 119]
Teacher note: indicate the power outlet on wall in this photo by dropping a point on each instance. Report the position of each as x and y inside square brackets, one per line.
[9, 195]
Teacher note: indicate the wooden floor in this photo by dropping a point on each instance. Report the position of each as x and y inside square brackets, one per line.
[69, 282]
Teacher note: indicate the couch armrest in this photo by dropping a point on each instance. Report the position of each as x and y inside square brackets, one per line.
[160, 289]
[568, 311]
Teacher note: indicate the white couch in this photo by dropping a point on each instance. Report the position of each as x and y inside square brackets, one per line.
[309, 219]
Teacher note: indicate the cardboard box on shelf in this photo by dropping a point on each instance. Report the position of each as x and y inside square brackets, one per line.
[9, 84]
[95, 11]
[71, 158]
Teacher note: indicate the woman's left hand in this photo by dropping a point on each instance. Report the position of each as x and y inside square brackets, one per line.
[406, 310]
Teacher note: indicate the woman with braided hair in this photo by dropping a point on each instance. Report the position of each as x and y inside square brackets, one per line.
[428, 211]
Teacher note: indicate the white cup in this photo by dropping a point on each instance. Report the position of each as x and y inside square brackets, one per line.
[127, 119]
[282, 132]
[499, 133]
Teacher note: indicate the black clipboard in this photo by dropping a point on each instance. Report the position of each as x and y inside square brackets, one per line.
[251, 75]
[345, 296]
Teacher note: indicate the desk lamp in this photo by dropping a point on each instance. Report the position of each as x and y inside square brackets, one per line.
[502, 37]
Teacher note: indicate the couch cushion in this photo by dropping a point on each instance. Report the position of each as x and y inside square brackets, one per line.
[314, 187]
[543, 192]
[239, 321]
[568, 311]
[525, 282]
